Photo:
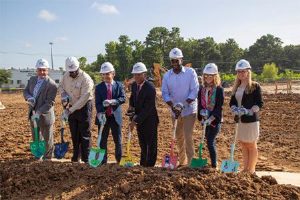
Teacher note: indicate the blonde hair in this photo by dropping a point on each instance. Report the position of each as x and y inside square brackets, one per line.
[250, 87]
[216, 82]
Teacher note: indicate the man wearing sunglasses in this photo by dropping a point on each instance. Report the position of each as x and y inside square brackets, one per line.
[76, 89]
[180, 87]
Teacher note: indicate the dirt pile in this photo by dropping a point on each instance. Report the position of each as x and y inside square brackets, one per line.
[22, 177]
[45, 180]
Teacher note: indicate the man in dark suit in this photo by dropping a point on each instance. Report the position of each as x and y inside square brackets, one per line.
[109, 95]
[142, 101]
[40, 93]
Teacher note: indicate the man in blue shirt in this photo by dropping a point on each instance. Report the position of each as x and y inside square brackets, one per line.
[180, 86]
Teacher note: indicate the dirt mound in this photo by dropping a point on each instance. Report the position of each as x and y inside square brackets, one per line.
[21, 176]
[45, 180]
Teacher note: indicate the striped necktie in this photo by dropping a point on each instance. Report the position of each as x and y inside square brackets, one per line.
[37, 87]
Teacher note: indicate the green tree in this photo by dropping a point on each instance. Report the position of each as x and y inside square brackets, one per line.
[190, 53]
[82, 62]
[124, 56]
[112, 53]
[270, 72]
[4, 76]
[207, 51]
[159, 42]
[291, 57]
[137, 51]
[156, 42]
[91, 69]
[231, 53]
[266, 49]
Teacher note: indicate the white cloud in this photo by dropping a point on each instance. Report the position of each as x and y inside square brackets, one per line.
[60, 39]
[105, 8]
[27, 45]
[47, 16]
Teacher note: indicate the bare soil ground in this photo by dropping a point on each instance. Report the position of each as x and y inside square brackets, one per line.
[22, 176]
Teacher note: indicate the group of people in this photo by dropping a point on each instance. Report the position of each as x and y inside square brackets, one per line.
[180, 89]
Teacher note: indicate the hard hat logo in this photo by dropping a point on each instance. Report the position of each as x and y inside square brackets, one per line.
[72, 66]
[242, 64]
[42, 63]
[139, 68]
[175, 54]
[210, 68]
[106, 68]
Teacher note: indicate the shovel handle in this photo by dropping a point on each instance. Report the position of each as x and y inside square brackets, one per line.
[200, 150]
[232, 146]
[203, 134]
[100, 134]
[35, 128]
[174, 136]
[62, 130]
[174, 129]
[128, 141]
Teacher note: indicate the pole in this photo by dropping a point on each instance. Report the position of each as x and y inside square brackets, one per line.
[51, 43]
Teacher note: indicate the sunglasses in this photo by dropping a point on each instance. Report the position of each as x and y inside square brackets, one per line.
[174, 61]
[208, 75]
[105, 74]
[242, 71]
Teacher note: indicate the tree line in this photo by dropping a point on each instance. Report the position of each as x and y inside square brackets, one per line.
[159, 41]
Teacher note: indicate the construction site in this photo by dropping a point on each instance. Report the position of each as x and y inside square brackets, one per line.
[21, 175]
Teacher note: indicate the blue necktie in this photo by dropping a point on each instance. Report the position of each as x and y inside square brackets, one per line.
[37, 87]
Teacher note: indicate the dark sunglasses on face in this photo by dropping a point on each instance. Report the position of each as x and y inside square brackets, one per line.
[74, 72]
[174, 61]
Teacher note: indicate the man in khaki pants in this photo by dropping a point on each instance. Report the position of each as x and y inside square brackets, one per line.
[180, 87]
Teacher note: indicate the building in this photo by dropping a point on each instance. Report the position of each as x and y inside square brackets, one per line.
[20, 77]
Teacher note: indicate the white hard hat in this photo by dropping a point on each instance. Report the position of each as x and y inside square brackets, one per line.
[210, 68]
[106, 67]
[72, 64]
[242, 64]
[175, 54]
[42, 64]
[139, 68]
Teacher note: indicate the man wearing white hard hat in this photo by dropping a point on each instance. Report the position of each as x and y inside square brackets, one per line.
[210, 103]
[142, 103]
[40, 93]
[179, 90]
[76, 88]
[245, 103]
[109, 96]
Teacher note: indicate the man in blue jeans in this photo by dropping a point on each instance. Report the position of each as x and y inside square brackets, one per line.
[109, 95]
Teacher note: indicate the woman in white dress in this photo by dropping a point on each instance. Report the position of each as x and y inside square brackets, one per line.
[245, 103]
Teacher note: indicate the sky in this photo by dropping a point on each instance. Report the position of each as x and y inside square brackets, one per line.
[83, 27]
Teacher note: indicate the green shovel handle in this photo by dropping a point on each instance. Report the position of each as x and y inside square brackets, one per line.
[200, 150]
[35, 129]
